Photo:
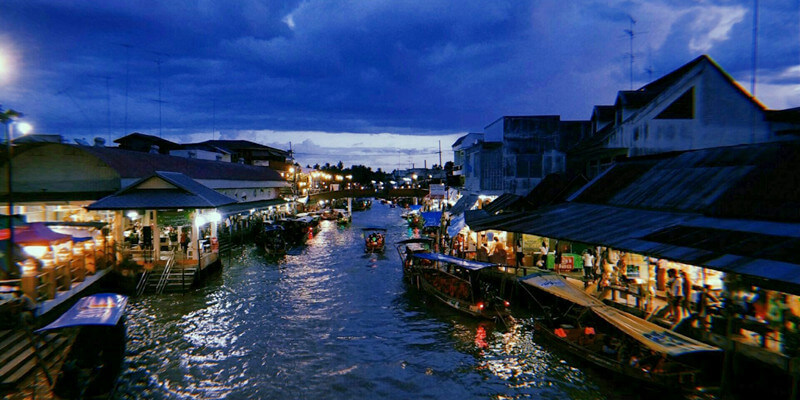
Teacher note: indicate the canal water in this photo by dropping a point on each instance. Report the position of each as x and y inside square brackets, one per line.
[330, 322]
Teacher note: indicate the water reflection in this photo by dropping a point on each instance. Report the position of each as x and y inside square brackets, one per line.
[328, 321]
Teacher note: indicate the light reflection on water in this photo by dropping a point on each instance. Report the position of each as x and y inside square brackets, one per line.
[328, 321]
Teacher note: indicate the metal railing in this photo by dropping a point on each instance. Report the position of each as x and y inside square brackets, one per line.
[162, 282]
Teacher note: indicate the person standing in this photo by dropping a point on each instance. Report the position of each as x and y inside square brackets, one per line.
[518, 249]
[686, 286]
[588, 265]
[674, 294]
[542, 261]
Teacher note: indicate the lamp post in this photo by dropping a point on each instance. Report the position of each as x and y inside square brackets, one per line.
[8, 117]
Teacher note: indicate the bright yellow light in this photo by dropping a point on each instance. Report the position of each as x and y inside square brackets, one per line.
[291, 170]
[36, 251]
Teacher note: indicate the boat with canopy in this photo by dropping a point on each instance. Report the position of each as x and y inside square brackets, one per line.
[622, 342]
[456, 282]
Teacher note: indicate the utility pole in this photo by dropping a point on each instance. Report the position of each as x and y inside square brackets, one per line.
[440, 155]
[755, 49]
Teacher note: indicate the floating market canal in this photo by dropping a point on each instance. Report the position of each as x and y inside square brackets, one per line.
[328, 321]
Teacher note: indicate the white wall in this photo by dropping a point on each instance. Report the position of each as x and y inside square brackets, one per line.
[723, 116]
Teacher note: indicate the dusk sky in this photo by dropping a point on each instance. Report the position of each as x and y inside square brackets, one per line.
[370, 82]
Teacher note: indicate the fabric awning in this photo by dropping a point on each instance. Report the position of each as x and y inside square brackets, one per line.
[466, 264]
[38, 234]
[432, 218]
[559, 287]
[456, 225]
[653, 336]
[645, 332]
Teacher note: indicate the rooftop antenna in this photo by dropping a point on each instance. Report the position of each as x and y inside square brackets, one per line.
[213, 119]
[649, 68]
[127, 82]
[108, 103]
[631, 34]
[159, 61]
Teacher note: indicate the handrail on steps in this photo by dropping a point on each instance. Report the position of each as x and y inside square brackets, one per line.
[142, 282]
[162, 283]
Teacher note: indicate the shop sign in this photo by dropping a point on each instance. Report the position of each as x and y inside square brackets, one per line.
[436, 191]
[174, 218]
[567, 264]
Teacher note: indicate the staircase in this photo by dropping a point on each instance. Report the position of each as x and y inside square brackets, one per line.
[168, 278]
[18, 359]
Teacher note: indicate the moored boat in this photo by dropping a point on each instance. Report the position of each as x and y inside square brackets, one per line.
[93, 363]
[454, 281]
[374, 240]
[271, 239]
[343, 217]
[621, 342]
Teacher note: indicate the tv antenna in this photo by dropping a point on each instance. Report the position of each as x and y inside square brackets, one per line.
[158, 62]
[108, 102]
[631, 34]
[127, 81]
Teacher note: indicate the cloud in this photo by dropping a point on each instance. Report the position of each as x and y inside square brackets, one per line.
[362, 66]
[712, 25]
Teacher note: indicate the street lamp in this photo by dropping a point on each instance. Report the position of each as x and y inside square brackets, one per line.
[8, 118]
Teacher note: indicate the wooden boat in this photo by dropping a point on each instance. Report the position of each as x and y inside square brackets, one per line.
[374, 240]
[343, 217]
[454, 281]
[271, 239]
[94, 360]
[621, 342]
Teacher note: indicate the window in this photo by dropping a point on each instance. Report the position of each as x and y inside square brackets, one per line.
[682, 108]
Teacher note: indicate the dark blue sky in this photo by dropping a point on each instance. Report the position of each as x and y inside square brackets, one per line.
[416, 71]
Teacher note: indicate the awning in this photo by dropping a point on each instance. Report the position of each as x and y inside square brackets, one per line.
[432, 218]
[98, 309]
[651, 335]
[558, 286]
[466, 202]
[38, 234]
[653, 233]
[466, 264]
[645, 332]
[456, 225]
[253, 205]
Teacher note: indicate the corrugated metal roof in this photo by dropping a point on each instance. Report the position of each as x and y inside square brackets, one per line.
[749, 181]
[502, 203]
[466, 202]
[554, 189]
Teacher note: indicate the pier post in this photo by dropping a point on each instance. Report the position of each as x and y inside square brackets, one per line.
[117, 233]
[29, 281]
